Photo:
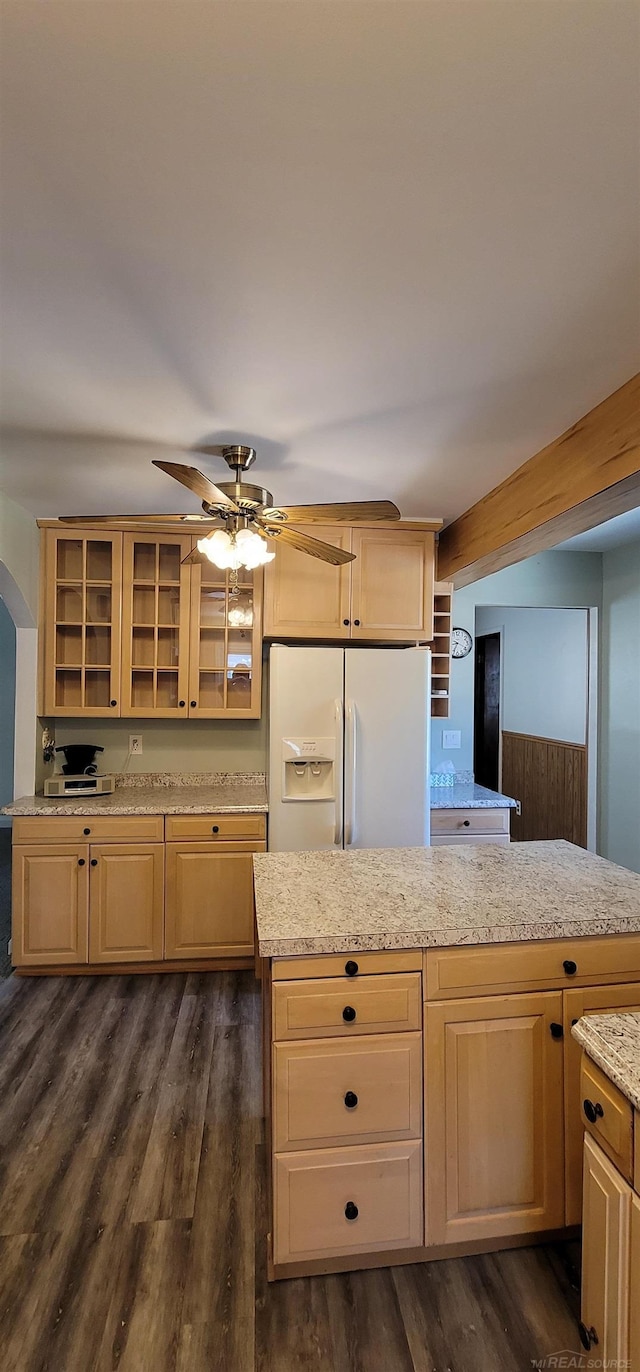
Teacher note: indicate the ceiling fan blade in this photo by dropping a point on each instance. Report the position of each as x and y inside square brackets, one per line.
[351, 512]
[196, 482]
[195, 557]
[325, 551]
[179, 520]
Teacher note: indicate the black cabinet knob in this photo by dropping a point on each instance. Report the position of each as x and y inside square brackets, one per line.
[94, 862]
[348, 1014]
[113, 702]
[345, 621]
[86, 831]
[587, 1335]
[351, 968]
[182, 704]
[80, 862]
[592, 1112]
[351, 1100]
[357, 623]
[570, 967]
[466, 823]
[193, 704]
[557, 1031]
[351, 1211]
[215, 828]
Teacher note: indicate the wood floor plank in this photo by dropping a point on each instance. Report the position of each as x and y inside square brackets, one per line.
[366, 1324]
[169, 1177]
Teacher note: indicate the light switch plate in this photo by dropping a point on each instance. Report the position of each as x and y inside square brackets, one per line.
[451, 738]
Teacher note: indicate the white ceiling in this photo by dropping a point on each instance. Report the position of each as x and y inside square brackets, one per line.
[625, 528]
[395, 245]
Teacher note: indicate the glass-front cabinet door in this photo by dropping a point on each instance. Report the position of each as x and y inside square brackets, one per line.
[155, 629]
[81, 659]
[226, 643]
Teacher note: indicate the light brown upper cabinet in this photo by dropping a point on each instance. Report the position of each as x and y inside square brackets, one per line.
[384, 596]
[130, 630]
[225, 655]
[81, 611]
[155, 625]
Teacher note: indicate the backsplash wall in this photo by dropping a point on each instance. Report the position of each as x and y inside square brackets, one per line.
[194, 745]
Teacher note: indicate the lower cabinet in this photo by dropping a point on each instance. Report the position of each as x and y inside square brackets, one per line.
[50, 901]
[634, 1284]
[606, 1258]
[591, 1000]
[209, 910]
[126, 902]
[493, 1117]
[347, 1200]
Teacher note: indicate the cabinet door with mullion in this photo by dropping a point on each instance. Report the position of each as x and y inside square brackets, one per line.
[225, 658]
[155, 652]
[82, 624]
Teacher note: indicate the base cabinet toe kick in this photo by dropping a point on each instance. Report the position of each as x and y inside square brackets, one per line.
[427, 1104]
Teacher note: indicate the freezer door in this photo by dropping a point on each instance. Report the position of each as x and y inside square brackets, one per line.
[387, 733]
[306, 693]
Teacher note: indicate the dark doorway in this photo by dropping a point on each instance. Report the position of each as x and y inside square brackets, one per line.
[486, 712]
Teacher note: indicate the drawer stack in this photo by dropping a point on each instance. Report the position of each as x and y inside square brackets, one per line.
[346, 1105]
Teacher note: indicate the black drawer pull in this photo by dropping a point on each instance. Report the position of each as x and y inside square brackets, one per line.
[557, 1032]
[570, 967]
[215, 828]
[351, 1211]
[351, 968]
[345, 621]
[193, 704]
[466, 823]
[351, 1100]
[80, 862]
[94, 862]
[113, 702]
[357, 623]
[592, 1112]
[348, 1014]
[181, 703]
[587, 1336]
[86, 831]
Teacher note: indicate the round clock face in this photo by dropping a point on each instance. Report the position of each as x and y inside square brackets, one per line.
[461, 642]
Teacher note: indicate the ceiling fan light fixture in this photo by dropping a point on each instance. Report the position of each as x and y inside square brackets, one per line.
[243, 549]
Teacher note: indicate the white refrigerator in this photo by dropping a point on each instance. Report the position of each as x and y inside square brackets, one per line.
[349, 732]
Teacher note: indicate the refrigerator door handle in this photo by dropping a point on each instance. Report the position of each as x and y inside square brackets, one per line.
[351, 746]
[338, 712]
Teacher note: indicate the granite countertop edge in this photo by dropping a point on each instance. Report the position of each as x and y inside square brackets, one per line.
[447, 938]
[180, 798]
[468, 796]
[612, 1041]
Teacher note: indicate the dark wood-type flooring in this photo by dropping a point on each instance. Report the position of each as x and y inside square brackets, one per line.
[132, 1211]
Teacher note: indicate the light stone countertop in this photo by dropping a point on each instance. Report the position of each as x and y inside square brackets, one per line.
[468, 796]
[613, 1041]
[384, 898]
[169, 793]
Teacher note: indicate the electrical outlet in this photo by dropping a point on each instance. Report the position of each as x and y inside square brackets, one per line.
[135, 743]
[451, 738]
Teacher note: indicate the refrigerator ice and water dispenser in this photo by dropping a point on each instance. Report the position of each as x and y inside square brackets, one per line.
[308, 767]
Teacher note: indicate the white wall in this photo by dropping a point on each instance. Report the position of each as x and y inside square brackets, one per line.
[620, 685]
[554, 579]
[7, 705]
[19, 564]
[544, 670]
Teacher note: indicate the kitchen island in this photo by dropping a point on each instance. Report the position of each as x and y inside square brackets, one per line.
[422, 1084]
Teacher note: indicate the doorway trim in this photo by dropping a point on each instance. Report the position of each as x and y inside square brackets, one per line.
[26, 710]
[499, 630]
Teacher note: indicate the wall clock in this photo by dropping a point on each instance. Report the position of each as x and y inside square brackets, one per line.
[461, 642]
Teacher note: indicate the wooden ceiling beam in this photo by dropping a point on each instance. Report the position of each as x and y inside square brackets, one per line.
[588, 475]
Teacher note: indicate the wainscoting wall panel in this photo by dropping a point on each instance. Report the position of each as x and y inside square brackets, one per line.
[549, 778]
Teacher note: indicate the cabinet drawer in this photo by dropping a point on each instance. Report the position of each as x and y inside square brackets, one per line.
[469, 822]
[338, 1092]
[379, 1185]
[457, 840]
[89, 829]
[347, 965]
[317, 1009]
[613, 1123]
[214, 827]
[531, 966]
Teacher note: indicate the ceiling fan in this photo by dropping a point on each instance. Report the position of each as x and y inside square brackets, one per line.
[240, 519]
